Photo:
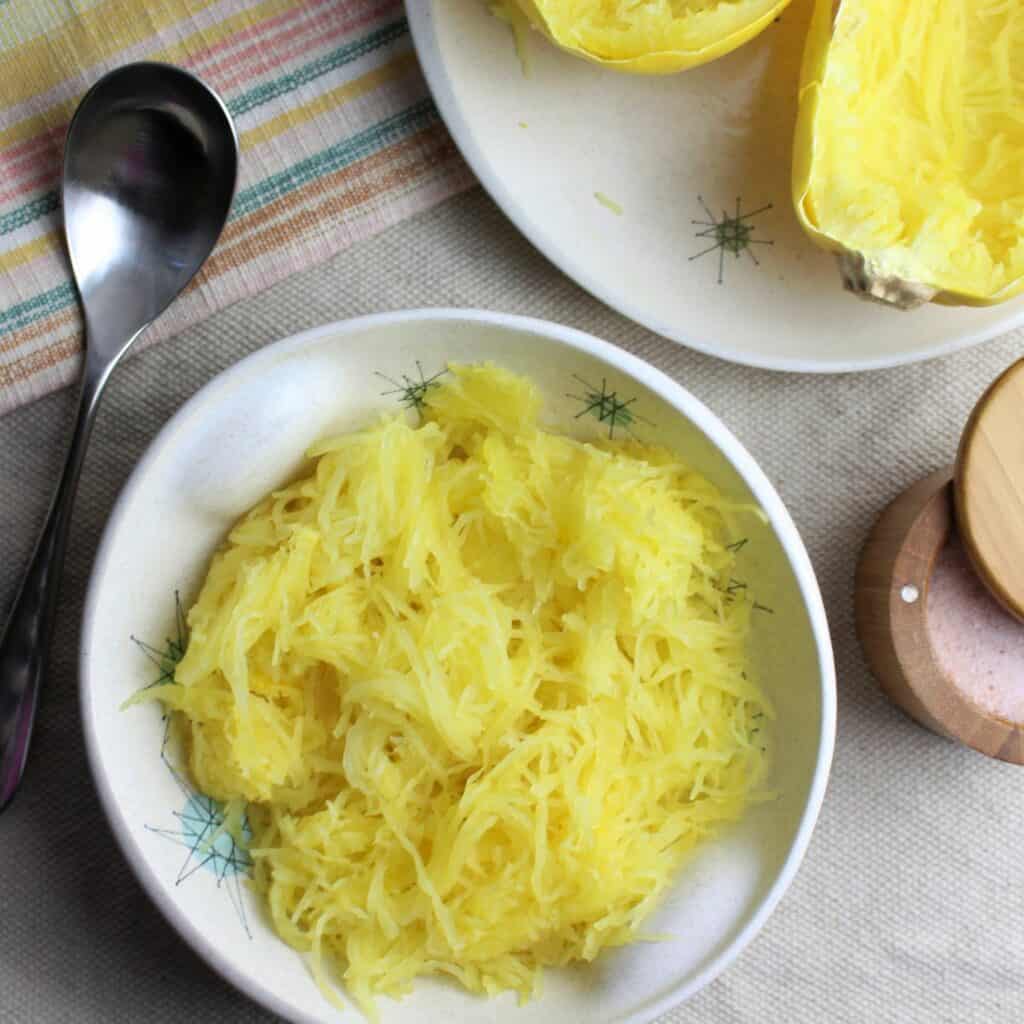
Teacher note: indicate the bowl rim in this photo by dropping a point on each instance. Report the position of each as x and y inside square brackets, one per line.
[655, 380]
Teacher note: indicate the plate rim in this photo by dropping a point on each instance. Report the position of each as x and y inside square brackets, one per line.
[422, 28]
[674, 394]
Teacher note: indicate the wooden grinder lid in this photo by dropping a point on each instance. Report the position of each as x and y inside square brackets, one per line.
[989, 489]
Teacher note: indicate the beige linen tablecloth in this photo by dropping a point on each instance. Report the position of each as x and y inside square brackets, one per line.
[910, 904]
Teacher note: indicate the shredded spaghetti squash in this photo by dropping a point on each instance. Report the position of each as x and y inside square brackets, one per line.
[482, 688]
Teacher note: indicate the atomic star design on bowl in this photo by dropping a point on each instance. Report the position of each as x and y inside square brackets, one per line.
[607, 407]
[199, 826]
[412, 391]
[730, 234]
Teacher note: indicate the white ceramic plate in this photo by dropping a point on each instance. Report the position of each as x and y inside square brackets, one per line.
[245, 433]
[677, 153]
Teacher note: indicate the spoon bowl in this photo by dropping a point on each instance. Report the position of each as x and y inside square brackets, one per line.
[150, 165]
[149, 172]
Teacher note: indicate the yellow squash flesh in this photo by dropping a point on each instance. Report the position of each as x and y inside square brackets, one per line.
[909, 147]
[482, 688]
[653, 37]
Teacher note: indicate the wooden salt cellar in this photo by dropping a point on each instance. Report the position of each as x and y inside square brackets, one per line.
[990, 489]
[983, 498]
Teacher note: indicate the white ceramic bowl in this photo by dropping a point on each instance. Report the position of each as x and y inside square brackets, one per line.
[244, 433]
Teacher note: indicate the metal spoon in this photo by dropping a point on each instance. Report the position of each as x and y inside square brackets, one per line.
[149, 173]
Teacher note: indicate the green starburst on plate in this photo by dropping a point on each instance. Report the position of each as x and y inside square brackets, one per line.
[730, 234]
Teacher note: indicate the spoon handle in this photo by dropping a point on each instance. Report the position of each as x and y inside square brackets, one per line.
[26, 639]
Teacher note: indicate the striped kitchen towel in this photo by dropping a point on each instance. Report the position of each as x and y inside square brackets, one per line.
[339, 140]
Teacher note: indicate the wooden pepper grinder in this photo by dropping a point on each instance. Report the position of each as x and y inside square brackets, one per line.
[940, 586]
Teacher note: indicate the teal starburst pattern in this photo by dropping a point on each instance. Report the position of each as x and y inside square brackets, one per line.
[199, 827]
[412, 391]
[607, 407]
[729, 235]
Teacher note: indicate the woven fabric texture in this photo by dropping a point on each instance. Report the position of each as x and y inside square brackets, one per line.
[909, 905]
[339, 138]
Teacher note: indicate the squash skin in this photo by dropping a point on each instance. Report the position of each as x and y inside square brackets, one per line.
[664, 62]
[863, 274]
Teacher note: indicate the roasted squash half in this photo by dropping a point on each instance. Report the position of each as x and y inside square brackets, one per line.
[650, 36]
[909, 157]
